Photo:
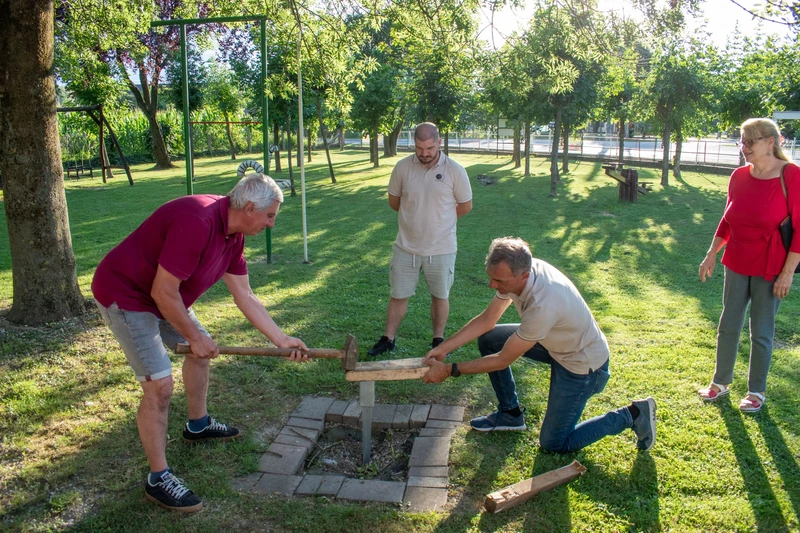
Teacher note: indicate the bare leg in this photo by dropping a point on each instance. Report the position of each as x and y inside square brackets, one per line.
[195, 380]
[152, 421]
[440, 310]
[395, 314]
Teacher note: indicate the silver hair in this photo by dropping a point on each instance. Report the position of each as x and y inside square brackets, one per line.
[514, 251]
[764, 128]
[257, 188]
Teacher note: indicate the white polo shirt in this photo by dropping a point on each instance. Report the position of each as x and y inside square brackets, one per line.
[553, 312]
[426, 222]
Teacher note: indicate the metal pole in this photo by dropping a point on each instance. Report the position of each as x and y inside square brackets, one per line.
[265, 120]
[187, 134]
[367, 402]
[300, 142]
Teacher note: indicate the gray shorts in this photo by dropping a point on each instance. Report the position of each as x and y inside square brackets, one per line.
[142, 337]
[404, 273]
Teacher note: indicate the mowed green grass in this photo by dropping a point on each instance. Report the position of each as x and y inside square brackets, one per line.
[70, 457]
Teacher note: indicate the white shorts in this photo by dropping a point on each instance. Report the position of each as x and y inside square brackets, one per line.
[404, 273]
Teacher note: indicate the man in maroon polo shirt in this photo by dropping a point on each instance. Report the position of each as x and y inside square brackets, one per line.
[144, 289]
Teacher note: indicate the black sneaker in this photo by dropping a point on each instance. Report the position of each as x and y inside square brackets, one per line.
[644, 425]
[436, 341]
[214, 430]
[382, 346]
[499, 421]
[170, 493]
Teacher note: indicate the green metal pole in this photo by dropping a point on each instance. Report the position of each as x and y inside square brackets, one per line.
[187, 134]
[265, 119]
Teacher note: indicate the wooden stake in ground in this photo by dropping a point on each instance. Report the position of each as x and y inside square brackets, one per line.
[528, 488]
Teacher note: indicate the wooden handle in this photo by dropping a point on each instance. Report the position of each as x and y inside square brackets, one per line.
[319, 353]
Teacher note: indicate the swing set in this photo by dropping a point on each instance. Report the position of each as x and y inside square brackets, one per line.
[95, 112]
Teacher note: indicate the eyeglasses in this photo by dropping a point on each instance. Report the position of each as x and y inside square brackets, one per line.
[749, 142]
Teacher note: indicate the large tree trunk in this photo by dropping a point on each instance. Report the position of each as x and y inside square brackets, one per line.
[42, 262]
[554, 177]
[515, 157]
[621, 135]
[276, 141]
[324, 132]
[565, 154]
[665, 141]
[527, 147]
[676, 163]
[230, 137]
[447, 143]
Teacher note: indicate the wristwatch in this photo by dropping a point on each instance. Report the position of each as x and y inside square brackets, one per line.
[454, 371]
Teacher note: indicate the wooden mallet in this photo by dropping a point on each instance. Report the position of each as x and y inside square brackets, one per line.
[348, 354]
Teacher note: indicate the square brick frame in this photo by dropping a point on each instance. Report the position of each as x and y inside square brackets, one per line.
[428, 473]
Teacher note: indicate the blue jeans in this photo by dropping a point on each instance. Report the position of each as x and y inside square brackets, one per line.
[566, 400]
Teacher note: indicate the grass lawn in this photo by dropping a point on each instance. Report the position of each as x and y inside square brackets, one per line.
[70, 457]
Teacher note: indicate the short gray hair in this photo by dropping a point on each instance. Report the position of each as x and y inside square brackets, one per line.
[514, 251]
[257, 188]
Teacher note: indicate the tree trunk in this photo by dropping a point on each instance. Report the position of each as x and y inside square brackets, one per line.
[515, 157]
[310, 140]
[676, 163]
[665, 140]
[374, 144]
[230, 137]
[395, 135]
[621, 136]
[323, 131]
[276, 140]
[527, 147]
[159, 146]
[565, 155]
[298, 146]
[447, 143]
[289, 155]
[341, 138]
[42, 262]
[554, 177]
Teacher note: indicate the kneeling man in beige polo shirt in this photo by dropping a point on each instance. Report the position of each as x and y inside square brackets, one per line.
[430, 192]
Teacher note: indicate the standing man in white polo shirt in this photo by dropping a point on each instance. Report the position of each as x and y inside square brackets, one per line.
[557, 328]
[430, 192]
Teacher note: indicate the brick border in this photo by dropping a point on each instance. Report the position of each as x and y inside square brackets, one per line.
[428, 473]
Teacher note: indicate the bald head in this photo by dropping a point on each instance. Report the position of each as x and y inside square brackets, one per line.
[426, 131]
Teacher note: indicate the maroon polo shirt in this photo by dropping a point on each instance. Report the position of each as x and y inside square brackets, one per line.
[187, 236]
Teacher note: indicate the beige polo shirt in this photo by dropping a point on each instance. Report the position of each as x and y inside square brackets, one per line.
[553, 312]
[426, 222]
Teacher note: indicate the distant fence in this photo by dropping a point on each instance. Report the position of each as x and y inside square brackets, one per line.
[704, 152]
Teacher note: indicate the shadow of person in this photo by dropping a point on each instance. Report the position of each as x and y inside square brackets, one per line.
[782, 457]
[765, 506]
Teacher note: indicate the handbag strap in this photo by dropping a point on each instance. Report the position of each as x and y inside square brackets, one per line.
[785, 194]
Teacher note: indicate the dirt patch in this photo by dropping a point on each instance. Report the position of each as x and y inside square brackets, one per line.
[339, 448]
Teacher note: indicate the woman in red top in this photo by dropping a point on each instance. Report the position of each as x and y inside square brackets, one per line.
[758, 270]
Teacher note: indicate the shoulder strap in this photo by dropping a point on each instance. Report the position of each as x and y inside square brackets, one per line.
[783, 185]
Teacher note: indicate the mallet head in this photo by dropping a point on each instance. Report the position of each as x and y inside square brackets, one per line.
[350, 356]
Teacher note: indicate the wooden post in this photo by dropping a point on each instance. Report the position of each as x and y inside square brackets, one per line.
[528, 488]
[367, 402]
